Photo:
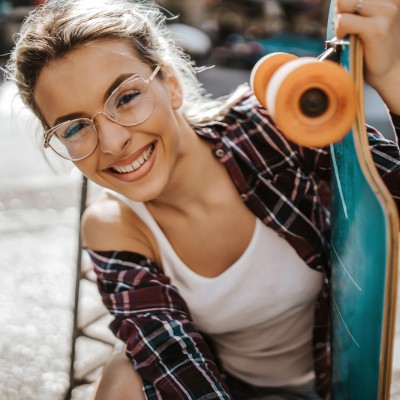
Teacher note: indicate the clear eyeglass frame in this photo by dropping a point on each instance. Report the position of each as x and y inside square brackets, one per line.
[54, 141]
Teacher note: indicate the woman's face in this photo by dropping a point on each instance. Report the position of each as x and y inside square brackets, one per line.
[136, 161]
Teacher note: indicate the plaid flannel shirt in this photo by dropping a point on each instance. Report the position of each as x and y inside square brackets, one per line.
[284, 185]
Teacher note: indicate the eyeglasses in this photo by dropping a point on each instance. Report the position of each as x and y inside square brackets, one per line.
[131, 103]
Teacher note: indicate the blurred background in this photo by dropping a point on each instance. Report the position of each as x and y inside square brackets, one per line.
[40, 196]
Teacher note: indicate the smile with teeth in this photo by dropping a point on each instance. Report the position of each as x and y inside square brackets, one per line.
[135, 165]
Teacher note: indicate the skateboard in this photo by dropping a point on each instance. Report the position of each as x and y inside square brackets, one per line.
[319, 102]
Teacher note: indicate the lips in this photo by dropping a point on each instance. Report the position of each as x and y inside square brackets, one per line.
[136, 163]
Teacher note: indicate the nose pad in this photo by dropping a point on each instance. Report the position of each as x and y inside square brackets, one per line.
[113, 138]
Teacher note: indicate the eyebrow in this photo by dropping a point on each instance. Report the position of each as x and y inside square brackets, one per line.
[68, 117]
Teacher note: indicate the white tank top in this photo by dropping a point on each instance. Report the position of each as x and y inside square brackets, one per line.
[259, 312]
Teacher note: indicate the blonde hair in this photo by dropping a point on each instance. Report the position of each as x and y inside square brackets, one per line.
[57, 27]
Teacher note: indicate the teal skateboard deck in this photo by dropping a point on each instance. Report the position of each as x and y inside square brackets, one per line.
[364, 247]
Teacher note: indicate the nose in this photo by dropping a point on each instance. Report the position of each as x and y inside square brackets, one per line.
[113, 138]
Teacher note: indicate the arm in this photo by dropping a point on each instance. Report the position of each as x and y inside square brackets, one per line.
[378, 26]
[166, 349]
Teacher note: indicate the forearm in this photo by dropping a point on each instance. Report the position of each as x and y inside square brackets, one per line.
[377, 23]
[185, 364]
[388, 87]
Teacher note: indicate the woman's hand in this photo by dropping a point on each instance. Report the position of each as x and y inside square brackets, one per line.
[377, 23]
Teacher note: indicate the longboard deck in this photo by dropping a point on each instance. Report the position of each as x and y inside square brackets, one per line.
[364, 246]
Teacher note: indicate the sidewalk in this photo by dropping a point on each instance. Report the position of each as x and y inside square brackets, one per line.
[38, 242]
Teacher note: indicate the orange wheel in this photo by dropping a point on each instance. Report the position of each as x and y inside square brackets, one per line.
[312, 102]
[263, 71]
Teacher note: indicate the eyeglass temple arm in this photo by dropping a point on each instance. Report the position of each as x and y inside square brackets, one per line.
[46, 140]
[153, 74]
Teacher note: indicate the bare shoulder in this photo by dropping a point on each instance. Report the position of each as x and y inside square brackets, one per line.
[109, 224]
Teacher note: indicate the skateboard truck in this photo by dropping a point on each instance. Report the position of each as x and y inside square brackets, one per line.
[312, 100]
[333, 49]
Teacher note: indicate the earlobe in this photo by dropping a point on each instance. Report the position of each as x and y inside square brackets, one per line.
[177, 98]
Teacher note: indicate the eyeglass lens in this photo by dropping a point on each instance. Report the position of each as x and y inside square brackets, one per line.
[130, 104]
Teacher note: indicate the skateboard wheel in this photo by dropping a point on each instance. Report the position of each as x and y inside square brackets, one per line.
[312, 102]
[263, 71]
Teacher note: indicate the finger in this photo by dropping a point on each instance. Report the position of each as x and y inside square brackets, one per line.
[384, 15]
[367, 8]
[365, 27]
[361, 7]
[373, 33]
[347, 24]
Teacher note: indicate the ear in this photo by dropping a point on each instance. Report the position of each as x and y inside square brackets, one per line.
[174, 87]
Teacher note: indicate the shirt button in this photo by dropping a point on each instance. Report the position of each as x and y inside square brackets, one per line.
[322, 376]
[320, 345]
[207, 130]
[220, 153]
[244, 196]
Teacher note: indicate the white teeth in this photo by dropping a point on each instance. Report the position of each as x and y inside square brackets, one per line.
[137, 163]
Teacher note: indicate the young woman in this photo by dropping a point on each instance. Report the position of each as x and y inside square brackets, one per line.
[210, 240]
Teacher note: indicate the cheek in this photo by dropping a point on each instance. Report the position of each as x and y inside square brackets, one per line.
[165, 120]
[88, 167]
[163, 125]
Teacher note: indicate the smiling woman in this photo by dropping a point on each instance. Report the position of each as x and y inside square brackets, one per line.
[94, 126]
[209, 241]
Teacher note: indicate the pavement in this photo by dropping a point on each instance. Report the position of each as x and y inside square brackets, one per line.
[38, 246]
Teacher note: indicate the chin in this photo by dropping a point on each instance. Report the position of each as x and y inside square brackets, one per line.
[143, 193]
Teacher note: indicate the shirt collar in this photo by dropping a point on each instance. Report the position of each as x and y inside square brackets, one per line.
[212, 130]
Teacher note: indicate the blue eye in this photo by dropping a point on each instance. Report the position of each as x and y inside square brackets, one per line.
[127, 98]
[73, 129]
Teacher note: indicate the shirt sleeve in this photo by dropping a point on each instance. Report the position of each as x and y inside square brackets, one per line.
[386, 156]
[385, 153]
[396, 124]
[150, 316]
